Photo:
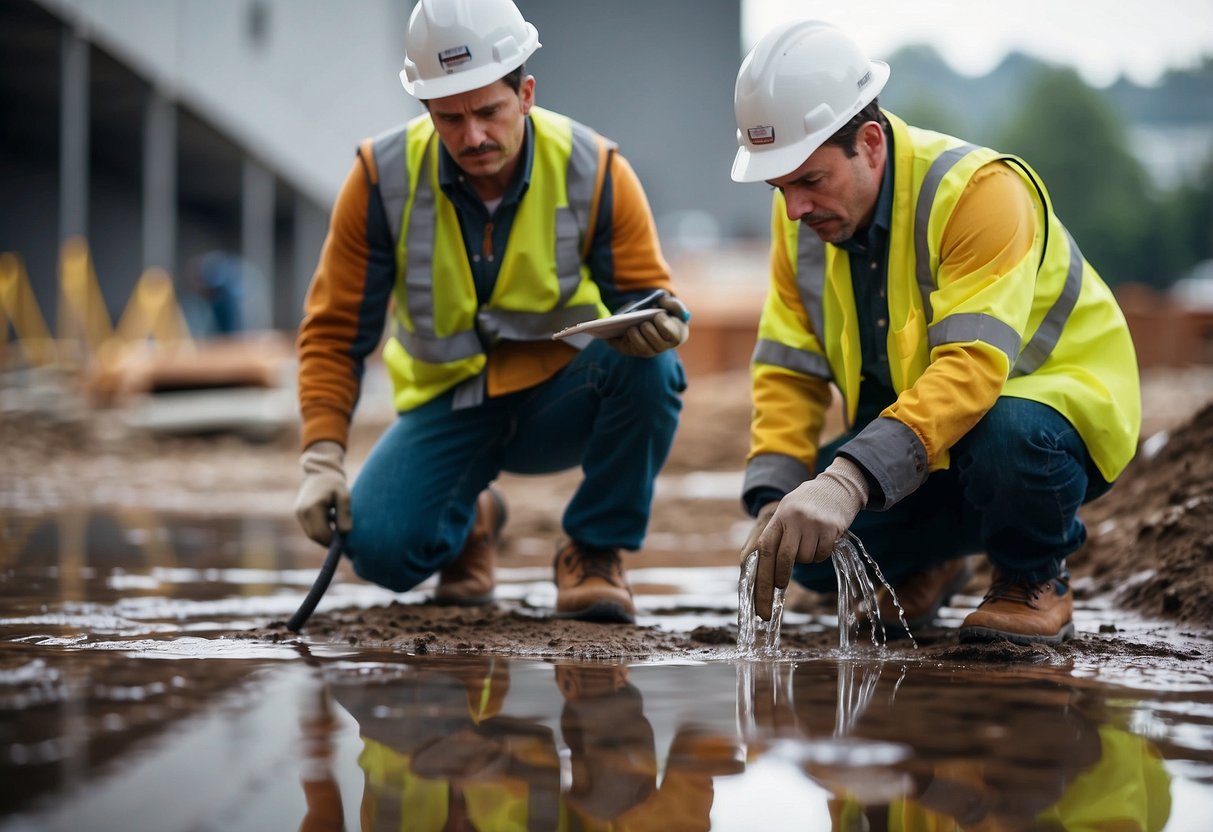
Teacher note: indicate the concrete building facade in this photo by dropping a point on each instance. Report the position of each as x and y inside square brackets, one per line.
[160, 130]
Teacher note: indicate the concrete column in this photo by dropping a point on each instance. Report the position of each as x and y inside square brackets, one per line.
[257, 244]
[73, 136]
[311, 225]
[160, 183]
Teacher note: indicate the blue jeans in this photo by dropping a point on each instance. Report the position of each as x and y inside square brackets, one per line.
[615, 416]
[1013, 490]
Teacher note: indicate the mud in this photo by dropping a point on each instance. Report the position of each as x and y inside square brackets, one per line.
[1149, 560]
[515, 629]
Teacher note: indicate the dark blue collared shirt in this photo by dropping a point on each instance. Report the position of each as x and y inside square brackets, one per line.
[869, 259]
[485, 235]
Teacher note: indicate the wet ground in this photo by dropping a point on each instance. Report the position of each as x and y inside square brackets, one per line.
[147, 682]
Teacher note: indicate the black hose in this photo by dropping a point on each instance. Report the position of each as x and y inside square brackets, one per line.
[321, 584]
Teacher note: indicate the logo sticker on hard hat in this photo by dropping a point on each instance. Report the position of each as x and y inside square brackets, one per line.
[763, 134]
[455, 57]
[864, 81]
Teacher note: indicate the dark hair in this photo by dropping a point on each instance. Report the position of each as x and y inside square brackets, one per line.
[845, 136]
[512, 79]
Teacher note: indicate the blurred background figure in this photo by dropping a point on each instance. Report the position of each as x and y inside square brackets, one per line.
[215, 304]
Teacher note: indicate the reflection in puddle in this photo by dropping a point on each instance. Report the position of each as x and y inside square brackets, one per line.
[121, 709]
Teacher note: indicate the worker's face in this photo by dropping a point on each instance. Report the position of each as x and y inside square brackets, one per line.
[835, 194]
[483, 129]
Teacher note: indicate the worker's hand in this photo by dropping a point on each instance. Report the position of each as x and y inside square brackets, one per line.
[805, 527]
[760, 526]
[323, 492]
[664, 332]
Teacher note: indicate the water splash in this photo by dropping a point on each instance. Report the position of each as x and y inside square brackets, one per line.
[851, 562]
[757, 638]
[749, 626]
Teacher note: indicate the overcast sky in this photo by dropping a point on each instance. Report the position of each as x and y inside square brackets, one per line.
[1101, 38]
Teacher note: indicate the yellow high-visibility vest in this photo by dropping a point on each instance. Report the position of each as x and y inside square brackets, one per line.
[439, 333]
[1063, 336]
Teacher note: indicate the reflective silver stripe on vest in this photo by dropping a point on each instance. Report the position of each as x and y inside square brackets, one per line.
[513, 325]
[581, 175]
[1041, 345]
[811, 277]
[767, 351]
[419, 278]
[391, 162]
[435, 350]
[966, 327]
[922, 215]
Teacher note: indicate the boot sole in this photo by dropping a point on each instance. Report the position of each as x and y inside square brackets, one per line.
[601, 612]
[987, 634]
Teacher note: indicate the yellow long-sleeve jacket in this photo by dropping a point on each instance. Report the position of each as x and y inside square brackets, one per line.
[988, 296]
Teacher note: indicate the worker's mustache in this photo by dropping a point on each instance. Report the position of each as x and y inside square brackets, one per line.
[809, 219]
[480, 148]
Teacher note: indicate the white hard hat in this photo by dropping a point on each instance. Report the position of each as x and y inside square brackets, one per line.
[800, 83]
[455, 46]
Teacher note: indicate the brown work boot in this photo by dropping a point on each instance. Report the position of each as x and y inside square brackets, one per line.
[1023, 613]
[591, 586]
[468, 580]
[921, 596]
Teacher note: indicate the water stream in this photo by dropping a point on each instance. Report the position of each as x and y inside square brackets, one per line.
[758, 638]
[854, 583]
[750, 628]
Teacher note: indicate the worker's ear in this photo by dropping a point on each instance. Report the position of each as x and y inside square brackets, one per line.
[870, 142]
[527, 93]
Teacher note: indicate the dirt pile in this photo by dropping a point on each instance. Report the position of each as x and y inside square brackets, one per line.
[1151, 537]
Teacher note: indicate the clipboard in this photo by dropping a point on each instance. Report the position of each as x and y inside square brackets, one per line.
[610, 327]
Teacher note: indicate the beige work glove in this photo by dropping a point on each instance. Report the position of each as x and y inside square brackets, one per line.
[760, 526]
[323, 491]
[805, 526]
[664, 332]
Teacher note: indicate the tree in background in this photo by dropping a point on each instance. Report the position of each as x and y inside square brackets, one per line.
[913, 92]
[1188, 220]
[1073, 137]
[1079, 138]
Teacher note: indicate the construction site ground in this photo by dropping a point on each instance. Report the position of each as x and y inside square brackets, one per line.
[1149, 559]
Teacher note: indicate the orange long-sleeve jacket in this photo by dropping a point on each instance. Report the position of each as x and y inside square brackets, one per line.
[348, 300]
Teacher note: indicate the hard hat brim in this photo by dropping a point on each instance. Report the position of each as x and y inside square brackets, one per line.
[471, 79]
[749, 166]
[765, 165]
[455, 83]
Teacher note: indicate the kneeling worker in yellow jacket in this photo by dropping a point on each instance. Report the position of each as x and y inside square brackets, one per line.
[988, 381]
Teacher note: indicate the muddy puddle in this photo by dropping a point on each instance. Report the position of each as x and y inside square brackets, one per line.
[147, 682]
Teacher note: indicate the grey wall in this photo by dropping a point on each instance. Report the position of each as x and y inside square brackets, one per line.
[657, 77]
[296, 82]
[294, 85]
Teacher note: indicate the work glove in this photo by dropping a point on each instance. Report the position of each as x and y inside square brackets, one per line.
[805, 526]
[664, 332]
[760, 526]
[323, 494]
